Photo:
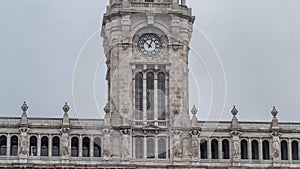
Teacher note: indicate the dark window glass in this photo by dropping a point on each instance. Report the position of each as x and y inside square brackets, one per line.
[214, 149]
[97, 147]
[3, 145]
[162, 149]
[74, 147]
[203, 149]
[55, 146]
[44, 146]
[266, 150]
[139, 96]
[86, 147]
[244, 149]
[33, 146]
[254, 148]
[225, 149]
[284, 150]
[14, 146]
[150, 148]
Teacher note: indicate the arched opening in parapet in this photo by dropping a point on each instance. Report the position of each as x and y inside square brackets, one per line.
[284, 150]
[14, 146]
[44, 146]
[295, 150]
[97, 147]
[254, 147]
[225, 149]
[85, 147]
[33, 146]
[203, 149]
[244, 149]
[74, 147]
[55, 146]
[266, 150]
[3, 145]
[214, 149]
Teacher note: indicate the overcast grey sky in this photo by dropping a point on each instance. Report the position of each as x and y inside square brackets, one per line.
[257, 40]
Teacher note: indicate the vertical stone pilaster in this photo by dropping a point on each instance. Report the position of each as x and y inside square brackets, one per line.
[39, 145]
[50, 146]
[80, 147]
[8, 145]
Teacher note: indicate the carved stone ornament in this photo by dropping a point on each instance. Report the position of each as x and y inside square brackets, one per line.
[276, 146]
[64, 130]
[236, 145]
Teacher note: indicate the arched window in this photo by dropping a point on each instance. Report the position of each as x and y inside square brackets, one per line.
[214, 149]
[139, 96]
[284, 150]
[97, 147]
[139, 148]
[44, 146]
[203, 149]
[55, 146]
[254, 148]
[3, 145]
[85, 147]
[14, 146]
[33, 146]
[150, 148]
[162, 148]
[225, 149]
[295, 150]
[74, 147]
[266, 150]
[161, 96]
[150, 96]
[244, 149]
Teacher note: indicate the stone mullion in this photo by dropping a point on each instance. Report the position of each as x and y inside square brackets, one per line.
[92, 146]
[39, 145]
[155, 147]
[220, 148]
[209, 148]
[50, 146]
[249, 149]
[260, 150]
[80, 146]
[289, 150]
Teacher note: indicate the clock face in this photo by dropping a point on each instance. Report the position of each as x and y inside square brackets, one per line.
[149, 44]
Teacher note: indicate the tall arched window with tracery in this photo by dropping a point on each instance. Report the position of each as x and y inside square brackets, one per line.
[150, 96]
[139, 96]
[161, 96]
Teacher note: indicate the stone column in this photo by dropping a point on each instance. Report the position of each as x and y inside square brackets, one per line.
[209, 148]
[8, 147]
[92, 146]
[155, 97]
[260, 150]
[145, 148]
[290, 151]
[50, 146]
[249, 149]
[144, 95]
[39, 145]
[220, 149]
[80, 146]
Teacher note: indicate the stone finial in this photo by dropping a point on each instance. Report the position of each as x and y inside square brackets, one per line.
[274, 112]
[24, 107]
[194, 110]
[66, 108]
[106, 108]
[235, 121]
[234, 111]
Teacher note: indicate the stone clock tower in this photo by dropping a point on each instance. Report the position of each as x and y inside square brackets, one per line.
[146, 45]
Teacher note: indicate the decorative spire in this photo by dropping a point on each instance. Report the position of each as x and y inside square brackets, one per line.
[234, 111]
[235, 121]
[24, 108]
[275, 124]
[274, 112]
[66, 109]
[194, 121]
